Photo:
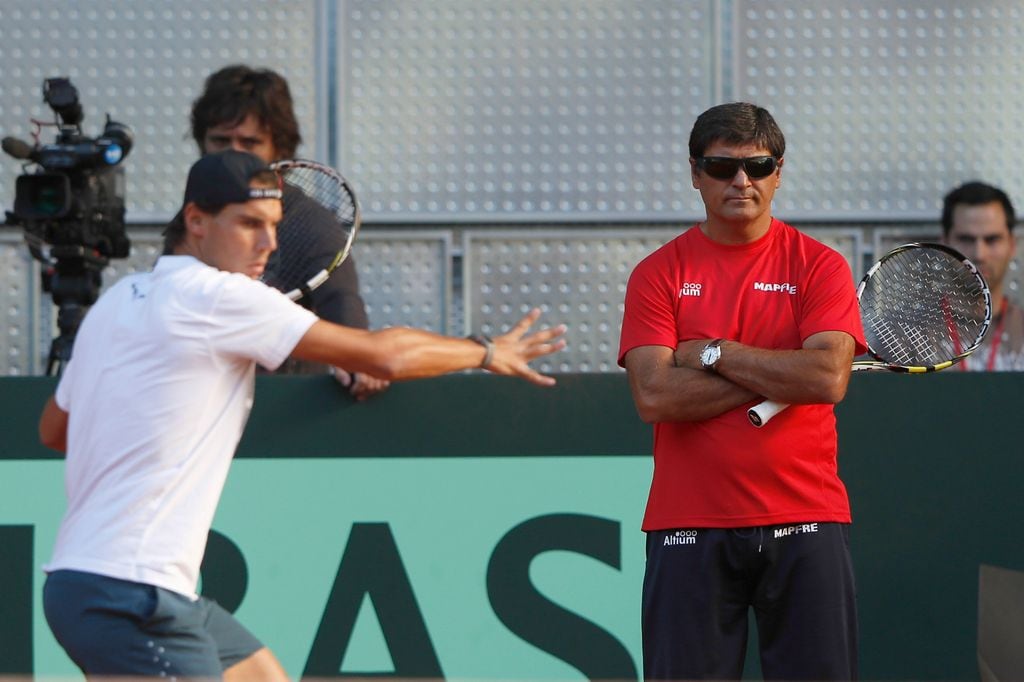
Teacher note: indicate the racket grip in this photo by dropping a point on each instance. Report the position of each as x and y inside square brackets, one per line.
[762, 412]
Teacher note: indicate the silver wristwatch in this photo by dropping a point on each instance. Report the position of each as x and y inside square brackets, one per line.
[711, 354]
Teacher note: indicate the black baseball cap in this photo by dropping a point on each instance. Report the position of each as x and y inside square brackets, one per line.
[216, 180]
[223, 178]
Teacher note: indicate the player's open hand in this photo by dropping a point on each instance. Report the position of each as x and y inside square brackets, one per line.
[514, 349]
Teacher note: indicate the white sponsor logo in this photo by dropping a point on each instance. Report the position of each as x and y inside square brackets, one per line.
[796, 530]
[690, 289]
[784, 287]
[681, 537]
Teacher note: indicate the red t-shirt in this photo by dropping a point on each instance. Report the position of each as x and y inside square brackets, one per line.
[773, 293]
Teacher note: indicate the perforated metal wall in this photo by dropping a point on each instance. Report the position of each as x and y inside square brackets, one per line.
[523, 110]
[577, 277]
[405, 278]
[887, 237]
[562, 113]
[144, 63]
[885, 105]
[19, 296]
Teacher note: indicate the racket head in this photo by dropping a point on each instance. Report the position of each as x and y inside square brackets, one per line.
[319, 225]
[924, 307]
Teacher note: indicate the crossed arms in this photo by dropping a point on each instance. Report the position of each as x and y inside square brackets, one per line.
[670, 385]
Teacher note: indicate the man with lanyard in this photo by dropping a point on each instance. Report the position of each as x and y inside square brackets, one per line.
[978, 220]
[738, 308]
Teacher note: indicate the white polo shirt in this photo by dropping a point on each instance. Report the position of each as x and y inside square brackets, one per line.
[158, 390]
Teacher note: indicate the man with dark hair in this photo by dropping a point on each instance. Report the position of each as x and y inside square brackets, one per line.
[978, 220]
[239, 94]
[739, 308]
[251, 110]
[151, 408]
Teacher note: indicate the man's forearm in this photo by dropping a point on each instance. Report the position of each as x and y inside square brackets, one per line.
[816, 373]
[664, 392]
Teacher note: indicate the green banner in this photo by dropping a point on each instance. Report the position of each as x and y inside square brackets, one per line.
[486, 568]
[478, 528]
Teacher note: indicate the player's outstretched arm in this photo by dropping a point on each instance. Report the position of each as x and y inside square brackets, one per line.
[401, 353]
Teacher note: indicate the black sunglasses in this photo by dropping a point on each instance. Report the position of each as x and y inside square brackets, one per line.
[726, 167]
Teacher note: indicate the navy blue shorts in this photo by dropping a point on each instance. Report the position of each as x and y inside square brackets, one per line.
[700, 585]
[117, 627]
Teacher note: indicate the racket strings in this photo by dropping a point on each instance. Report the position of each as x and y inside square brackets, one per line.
[324, 189]
[316, 232]
[923, 307]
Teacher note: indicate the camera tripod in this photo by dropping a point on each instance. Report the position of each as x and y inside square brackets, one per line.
[73, 280]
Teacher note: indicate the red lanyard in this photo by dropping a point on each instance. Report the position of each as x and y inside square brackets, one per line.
[998, 331]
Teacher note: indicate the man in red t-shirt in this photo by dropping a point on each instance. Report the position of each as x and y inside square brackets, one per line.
[739, 308]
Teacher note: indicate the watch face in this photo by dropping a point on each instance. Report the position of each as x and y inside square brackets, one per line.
[710, 355]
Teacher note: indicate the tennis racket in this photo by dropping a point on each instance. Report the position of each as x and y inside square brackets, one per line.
[321, 219]
[924, 308]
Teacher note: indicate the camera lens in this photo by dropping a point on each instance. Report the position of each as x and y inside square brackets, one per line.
[42, 196]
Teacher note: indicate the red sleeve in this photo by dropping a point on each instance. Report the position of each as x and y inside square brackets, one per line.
[649, 318]
[830, 301]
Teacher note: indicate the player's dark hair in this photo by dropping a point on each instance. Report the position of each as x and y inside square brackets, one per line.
[234, 92]
[174, 233]
[737, 123]
[975, 193]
